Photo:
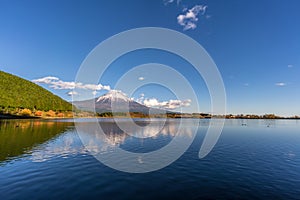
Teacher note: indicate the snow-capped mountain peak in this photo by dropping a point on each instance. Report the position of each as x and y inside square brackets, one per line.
[114, 95]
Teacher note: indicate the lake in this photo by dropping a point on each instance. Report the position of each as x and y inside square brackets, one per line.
[46, 159]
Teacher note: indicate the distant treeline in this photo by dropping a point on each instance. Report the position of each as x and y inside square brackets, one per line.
[192, 115]
[231, 116]
[251, 116]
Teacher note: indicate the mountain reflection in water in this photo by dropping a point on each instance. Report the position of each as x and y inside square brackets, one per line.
[132, 138]
[42, 140]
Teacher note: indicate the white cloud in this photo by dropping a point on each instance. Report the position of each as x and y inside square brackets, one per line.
[94, 93]
[168, 1]
[47, 79]
[290, 66]
[141, 78]
[62, 85]
[170, 105]
[152, 102]
[280, 84]
[190, 18]
[58, 84]
[72, 93]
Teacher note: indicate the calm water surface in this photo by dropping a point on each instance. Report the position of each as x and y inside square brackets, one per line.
[42, 159]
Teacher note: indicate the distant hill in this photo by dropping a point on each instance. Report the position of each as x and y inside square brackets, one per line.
[16, 92]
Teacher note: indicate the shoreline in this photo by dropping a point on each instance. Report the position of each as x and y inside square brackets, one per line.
[8, 116]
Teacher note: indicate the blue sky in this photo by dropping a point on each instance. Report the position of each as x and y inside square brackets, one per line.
[255, 44]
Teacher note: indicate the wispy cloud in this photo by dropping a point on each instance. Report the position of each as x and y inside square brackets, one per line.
[141, 98]
[290, 66]
[166, 2]
[280, 84]
[58, 84]
[190, 17]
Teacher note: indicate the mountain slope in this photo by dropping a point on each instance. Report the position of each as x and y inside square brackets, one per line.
[16, 92]
[117, 99]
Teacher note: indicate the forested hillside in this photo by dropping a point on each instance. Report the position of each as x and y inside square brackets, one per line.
[16, 92]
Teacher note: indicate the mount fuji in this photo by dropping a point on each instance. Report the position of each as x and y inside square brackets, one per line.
[119, 101]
